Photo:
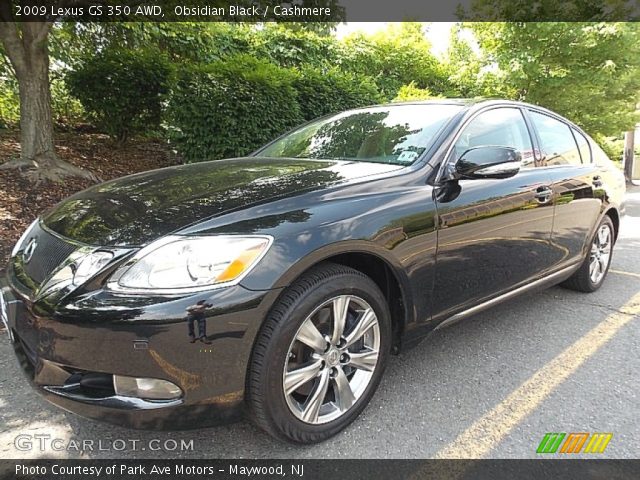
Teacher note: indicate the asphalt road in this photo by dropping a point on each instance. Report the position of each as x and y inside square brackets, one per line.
[491, 386]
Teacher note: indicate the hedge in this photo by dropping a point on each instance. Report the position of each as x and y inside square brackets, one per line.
[228, 109]
[123, 91]
[321, 93]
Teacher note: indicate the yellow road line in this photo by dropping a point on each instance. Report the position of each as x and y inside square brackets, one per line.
[622, 272]
[490, 429]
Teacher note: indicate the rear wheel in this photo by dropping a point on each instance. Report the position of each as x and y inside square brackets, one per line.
[320, 355]
[593, 271]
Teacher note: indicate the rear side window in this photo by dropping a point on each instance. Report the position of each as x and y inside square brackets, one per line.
[583, 146]
[557, 142]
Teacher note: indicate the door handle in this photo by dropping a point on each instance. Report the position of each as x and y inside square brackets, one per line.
[597, 181]
[544, 194]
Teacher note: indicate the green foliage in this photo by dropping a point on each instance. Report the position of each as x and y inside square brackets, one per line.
[276, 74]
[463, 65]
[289, 47]
[411, 92]
[397, 56]
[122, 90]
[546, 11]
[588, 72]
[230, 108]
[67, 110]
[612, 146]
[324, 92]
[9, 98]
[9, 103]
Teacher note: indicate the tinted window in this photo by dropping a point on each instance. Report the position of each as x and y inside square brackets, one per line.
[557, 142]
[583, 146]
[503, 127]
[397, 134]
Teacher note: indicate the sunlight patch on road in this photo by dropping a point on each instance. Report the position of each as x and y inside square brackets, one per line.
[489, 430]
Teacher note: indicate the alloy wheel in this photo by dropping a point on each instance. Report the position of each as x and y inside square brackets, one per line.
[331, 360]
[600, 254]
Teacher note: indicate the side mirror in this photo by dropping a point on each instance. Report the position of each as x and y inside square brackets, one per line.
[488, 162]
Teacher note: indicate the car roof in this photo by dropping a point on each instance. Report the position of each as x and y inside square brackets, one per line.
[480, 102]
[467, 102]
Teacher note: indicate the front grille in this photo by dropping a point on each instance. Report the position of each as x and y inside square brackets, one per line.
[50, 252]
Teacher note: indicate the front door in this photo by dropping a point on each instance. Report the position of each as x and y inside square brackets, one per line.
[493, 234]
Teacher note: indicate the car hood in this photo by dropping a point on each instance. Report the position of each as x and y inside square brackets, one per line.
[137, 209]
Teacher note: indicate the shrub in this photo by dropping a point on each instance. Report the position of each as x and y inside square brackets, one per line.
[286, 47]
[9, 96]
[230, 108]
[394, 57]
[9, 105]
[411, 92]
[123, 90]
[321, 93]
[67, 110]
[613, 146]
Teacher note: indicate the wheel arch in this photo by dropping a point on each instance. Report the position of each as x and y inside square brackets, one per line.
[375, 262]
[614, 215]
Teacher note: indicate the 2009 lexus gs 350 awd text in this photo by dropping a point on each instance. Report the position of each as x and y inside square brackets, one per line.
[278, 285]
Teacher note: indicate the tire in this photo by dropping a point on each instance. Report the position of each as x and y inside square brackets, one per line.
[279, 351]
[584, 279]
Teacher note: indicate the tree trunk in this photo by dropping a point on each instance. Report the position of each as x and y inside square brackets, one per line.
[36, 123]
[29, 57]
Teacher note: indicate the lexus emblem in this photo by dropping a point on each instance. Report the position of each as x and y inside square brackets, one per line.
[29, 249]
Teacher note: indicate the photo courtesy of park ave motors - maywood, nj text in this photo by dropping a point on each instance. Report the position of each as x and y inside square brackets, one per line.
[275, 239]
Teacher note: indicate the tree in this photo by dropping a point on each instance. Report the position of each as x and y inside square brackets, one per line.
[26, 45]
[396, 56]
[588, 72]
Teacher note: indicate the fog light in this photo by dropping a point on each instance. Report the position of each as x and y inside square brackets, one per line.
[146, 388]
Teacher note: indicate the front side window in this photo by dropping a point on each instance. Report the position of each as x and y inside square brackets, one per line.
[396, 134]
[504, 127]
[557, 142]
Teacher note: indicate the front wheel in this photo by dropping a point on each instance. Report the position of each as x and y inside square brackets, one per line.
[593, 271]
[320, 355]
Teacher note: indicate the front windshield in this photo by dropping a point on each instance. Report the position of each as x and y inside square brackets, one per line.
[396, 134]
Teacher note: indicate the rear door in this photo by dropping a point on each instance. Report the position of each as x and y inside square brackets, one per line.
[576, 183]
[493, 235]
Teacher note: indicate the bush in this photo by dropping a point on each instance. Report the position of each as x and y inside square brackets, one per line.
[411, 92]
[123, 91]
[67, 110]
[321, 93]
[396, 56]
[612, 146]
[230, 108]
[9, 105]
[287, 47]
[9, 96]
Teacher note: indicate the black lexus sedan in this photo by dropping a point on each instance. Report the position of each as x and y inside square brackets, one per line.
[277, 285]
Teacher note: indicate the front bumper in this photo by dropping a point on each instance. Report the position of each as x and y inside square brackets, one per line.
[139, 337]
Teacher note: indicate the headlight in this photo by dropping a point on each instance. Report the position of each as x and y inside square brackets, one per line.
[184, 264]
